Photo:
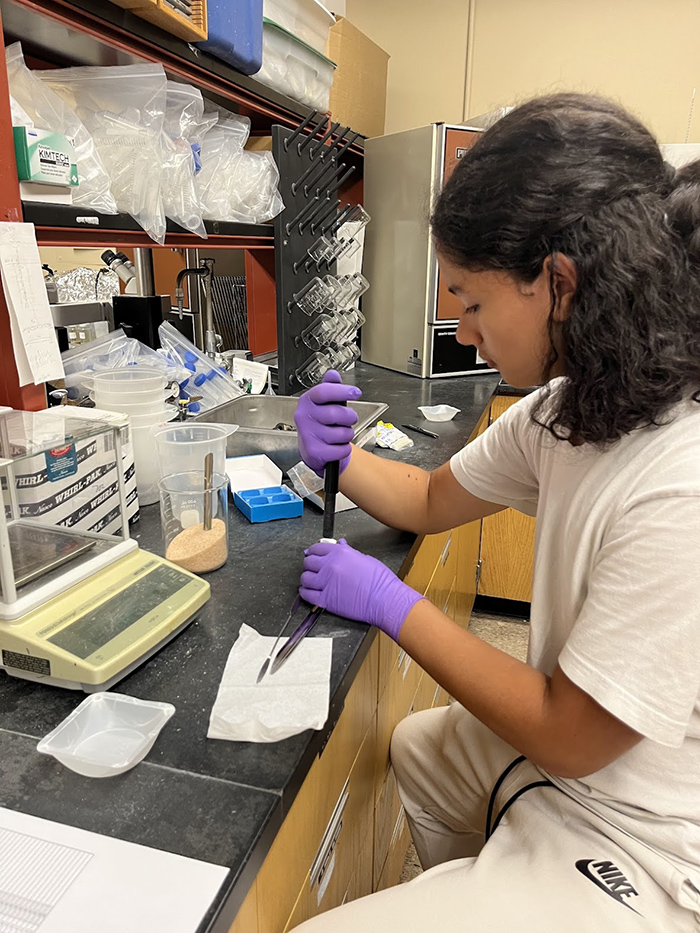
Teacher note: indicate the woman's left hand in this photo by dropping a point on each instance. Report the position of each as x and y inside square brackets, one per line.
[354, 585]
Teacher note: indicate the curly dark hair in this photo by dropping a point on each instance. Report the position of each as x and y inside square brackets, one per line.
[577, 175]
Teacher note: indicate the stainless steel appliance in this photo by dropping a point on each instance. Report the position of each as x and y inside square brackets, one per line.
[411, 316]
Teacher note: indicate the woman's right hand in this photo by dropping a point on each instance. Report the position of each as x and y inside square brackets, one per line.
[324, 424]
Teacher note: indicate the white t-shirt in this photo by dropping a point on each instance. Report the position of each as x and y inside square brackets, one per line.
[616, 595]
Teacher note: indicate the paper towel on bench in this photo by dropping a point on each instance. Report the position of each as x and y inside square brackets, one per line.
[285, 703]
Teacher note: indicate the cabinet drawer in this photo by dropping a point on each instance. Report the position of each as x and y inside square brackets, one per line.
[394, 705]
[386, 813]
[425, 694]
[388, 658]
[400, 841]
[432, 574]
[247, 917]
[507, 541]
[507, 555]
[290, 858]
[346, 844]
[427, 557]
[361, 881]
[442, 582]
[441, 697]
[468, 545]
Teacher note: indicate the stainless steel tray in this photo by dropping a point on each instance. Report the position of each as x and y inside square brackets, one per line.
[259, 416]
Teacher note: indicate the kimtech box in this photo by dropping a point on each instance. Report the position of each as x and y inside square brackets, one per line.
[44, 157]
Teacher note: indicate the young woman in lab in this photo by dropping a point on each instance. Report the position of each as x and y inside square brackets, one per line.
[562, 794]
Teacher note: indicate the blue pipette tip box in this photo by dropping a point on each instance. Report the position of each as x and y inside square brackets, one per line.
[264, 505]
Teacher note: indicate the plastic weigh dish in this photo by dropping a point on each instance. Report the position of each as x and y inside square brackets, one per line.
[438, 412]
[107, 734]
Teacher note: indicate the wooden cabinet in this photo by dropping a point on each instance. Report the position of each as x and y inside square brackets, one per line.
[507, 539]
[346, 833]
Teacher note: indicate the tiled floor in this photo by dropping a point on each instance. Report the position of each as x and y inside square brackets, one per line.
[510, 635]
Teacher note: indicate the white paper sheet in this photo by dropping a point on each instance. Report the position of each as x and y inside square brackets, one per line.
[33, 336]
[291, 700]
[58, 879]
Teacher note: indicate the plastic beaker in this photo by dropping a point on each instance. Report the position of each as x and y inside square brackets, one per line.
[145, 456]
[195, 520]
[109, 397]
[182, 447]
[132, 408]
[129, 378]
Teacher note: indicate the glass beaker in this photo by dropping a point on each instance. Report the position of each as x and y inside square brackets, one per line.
[359, 285]
[194, 520]
[319, 334]
[358, 217]
[322, 250]
[344, 245]
[344, 294]
[313, 297]
[312, 370]
[333, 291]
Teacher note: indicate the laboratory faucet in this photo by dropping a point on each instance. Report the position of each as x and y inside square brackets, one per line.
[205, 270]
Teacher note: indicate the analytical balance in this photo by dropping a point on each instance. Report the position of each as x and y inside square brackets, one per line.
[79, 607]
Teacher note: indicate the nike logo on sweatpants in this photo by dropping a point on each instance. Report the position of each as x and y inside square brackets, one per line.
[608, 878]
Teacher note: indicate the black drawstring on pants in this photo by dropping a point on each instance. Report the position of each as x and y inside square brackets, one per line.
[511, 800]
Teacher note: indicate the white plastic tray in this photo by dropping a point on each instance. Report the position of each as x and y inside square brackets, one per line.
[107, 734]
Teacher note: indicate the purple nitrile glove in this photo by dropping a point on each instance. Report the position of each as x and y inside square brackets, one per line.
[355, 585]
[324, 425]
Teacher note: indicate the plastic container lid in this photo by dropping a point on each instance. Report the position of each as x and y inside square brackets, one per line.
[309, 20]
[107, 734]
[297, 41]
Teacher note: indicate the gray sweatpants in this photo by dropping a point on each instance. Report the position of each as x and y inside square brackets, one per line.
[549, 864]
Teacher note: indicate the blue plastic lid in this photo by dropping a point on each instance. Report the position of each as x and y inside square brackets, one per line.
[199, 379]
[194, 406]
[190, 357]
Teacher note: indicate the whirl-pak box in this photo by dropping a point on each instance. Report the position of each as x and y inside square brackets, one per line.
[77, 483]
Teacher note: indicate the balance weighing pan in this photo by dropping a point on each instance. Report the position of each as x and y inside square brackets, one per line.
[37, 551]
[266, 425]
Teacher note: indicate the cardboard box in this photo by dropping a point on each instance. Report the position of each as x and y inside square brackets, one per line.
[79, 490]
[358, 94]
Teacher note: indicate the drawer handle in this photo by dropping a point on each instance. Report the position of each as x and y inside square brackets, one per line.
[330, 837]
[398, 826]
[403, 663]
[446, 550]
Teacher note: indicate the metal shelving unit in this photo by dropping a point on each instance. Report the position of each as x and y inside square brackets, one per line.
[58, 33]
[61, 225]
